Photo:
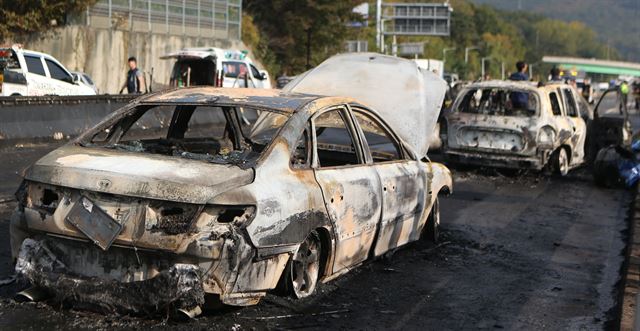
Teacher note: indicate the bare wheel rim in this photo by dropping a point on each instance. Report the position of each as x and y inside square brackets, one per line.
[305, 267]
[563, 162]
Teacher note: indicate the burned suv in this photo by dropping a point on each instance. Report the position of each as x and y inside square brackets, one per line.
[227, 192]
[517, 125]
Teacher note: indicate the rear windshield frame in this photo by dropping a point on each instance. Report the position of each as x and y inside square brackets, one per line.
[85, 139]
[463, 94]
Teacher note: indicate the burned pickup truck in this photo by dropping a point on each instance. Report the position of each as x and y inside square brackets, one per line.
[518, 125]
[174, 199]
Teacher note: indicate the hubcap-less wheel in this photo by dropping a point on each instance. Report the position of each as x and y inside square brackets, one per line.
[562, 162]
[305, 267]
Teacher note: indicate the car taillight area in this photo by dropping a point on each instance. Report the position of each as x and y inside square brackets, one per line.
[44, 198]
[171, 218]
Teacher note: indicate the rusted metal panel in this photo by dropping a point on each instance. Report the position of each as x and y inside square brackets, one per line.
[404, 195]
[354, 205]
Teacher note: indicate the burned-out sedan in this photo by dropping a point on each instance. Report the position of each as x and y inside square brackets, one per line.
[227, 192]
[517, 125]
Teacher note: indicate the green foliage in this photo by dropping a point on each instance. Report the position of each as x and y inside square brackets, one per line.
[32, 16]
[616, 22]
[289, 25]
[259, 43]
[503, 37]
[508, 37]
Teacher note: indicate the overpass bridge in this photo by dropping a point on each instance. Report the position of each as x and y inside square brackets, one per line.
[595, 66]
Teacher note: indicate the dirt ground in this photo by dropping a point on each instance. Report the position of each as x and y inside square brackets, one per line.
[525, 252]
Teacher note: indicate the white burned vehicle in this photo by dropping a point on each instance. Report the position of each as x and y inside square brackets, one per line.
[174, 197]
[517, 125]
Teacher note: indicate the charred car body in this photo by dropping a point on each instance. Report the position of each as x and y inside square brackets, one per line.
[518, 125]
[174, 196]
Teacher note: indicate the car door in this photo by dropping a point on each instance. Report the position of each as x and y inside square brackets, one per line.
[578, 126]
[36, 75]
[403, 182]
[561, 123]
[351, 189]
[61, 80]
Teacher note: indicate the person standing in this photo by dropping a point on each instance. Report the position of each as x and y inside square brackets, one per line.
[521, 74]
[520, 100]
[555, 75]
[135, 78]
[624, 94]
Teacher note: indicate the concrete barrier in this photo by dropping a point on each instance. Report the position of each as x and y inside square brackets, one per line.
[28, 119]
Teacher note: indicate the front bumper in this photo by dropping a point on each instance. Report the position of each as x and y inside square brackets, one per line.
[498, 160]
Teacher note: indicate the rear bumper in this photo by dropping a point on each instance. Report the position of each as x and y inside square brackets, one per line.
[43, 263]
[498, 160]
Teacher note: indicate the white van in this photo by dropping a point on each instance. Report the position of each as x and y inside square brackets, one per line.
[29, 73]
[215, 67]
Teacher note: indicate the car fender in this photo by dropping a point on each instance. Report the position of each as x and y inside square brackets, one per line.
[439, 180]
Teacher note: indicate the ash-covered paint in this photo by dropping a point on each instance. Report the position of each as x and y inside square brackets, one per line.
[235, 226]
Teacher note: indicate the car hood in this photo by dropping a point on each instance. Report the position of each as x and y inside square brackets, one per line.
[407, 97]
[136, 174]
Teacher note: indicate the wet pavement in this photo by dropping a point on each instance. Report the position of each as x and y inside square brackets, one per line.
[526, 252]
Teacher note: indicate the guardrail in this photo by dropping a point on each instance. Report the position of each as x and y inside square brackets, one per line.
[32, 119]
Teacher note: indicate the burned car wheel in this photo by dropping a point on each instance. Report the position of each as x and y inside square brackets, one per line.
[304, 267]
[560, 162]
[430, 232]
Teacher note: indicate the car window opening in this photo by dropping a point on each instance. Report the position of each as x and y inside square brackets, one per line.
[226, 135]
[499, 102]
[381, 145]
[334, 142]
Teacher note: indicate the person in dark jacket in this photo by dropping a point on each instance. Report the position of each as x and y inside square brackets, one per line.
[520, 100]
[555, 75]
[521, 74]
[135, 78]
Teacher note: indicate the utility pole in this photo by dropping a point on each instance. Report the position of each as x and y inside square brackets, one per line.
[483, 60]
[502, 69]
[444, 57]
[379, 25]
[466, 52]
[308, 48]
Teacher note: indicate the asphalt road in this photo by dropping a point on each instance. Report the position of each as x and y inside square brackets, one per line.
[525, 252]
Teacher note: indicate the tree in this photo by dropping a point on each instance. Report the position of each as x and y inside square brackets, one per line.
[32, 16]
[303, 33]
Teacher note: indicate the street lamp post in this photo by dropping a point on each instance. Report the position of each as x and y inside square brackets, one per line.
[379, 25]
[444, 57]
[483, 60]
[466, 52]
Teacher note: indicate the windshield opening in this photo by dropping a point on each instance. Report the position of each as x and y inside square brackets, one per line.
[193, 72]
[499, 102]
[226, 135]
[8, 59]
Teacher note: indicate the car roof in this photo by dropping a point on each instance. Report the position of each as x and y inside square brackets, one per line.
[523, 85]
[248, 97]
